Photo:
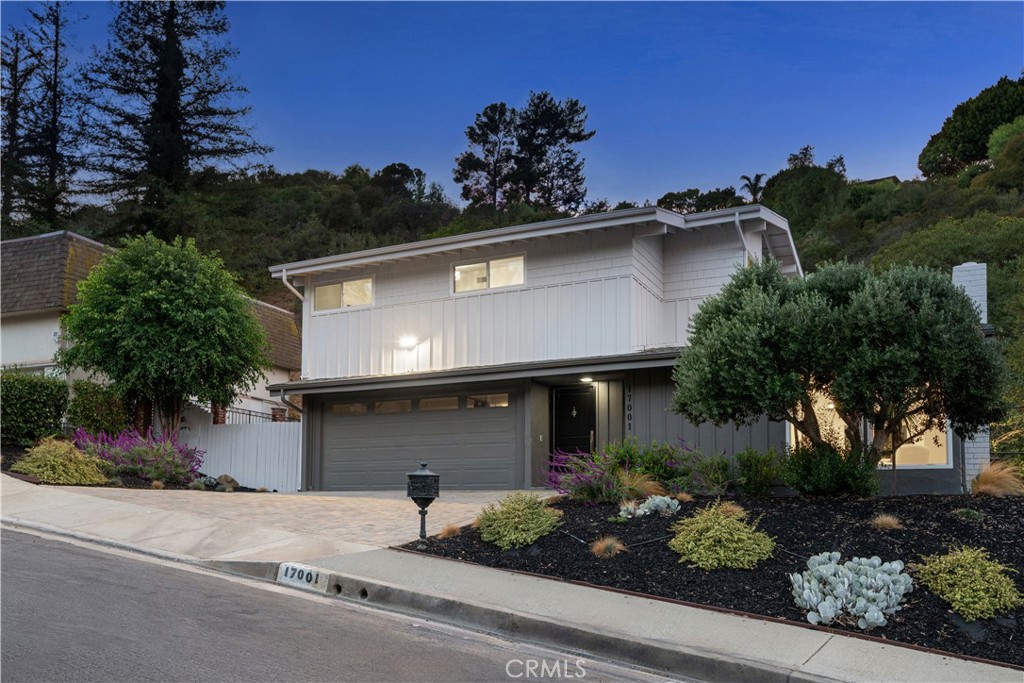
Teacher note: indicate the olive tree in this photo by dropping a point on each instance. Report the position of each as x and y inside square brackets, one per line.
[166, 323]
[900, 351]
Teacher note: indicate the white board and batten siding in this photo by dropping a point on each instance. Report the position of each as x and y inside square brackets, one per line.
[260, 454]
[585, 295]
[673, 276]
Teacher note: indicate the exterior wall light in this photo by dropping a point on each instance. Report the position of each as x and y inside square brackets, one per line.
[407, 342]
[586, 380]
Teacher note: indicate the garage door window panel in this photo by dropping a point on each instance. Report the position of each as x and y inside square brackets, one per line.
[392, 407]
[487, 401]
[440, 403]
[349, 409]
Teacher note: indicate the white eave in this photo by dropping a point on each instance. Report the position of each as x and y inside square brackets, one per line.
[655, 221]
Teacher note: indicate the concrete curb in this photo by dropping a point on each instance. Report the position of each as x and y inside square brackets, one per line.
[707, 666]
[98, 540]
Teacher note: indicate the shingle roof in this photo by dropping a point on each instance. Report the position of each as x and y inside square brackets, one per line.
[282, 333]
[42, 272]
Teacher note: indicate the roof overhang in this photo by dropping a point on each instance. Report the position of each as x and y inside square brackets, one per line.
[661, 358]
[650, 220]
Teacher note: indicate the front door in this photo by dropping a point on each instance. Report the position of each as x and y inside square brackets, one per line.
[573, 419]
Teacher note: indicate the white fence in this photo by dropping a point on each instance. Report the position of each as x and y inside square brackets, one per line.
[266, 454]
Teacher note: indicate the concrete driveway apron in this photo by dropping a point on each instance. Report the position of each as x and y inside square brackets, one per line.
[380, 518]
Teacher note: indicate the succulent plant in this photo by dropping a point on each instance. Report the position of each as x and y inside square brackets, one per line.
[862, 590]
[654, 505]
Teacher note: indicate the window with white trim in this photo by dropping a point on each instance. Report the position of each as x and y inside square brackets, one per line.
[501, 272]
[343, 294]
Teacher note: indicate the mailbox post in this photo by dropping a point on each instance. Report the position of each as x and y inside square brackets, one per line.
[423, 487]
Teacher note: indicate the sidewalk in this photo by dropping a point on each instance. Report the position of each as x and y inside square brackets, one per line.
[692, 642]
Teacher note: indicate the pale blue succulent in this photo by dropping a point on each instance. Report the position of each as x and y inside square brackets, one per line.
[864, 589]
[661, 505]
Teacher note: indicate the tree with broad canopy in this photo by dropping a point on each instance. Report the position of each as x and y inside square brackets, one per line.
[901, 350]
[166, 323]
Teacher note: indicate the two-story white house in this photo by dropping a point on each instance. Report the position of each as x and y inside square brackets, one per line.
[481, 353]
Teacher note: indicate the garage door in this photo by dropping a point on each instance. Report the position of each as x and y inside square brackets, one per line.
[469, 439]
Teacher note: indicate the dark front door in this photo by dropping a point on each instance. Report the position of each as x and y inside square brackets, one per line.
[573, 420]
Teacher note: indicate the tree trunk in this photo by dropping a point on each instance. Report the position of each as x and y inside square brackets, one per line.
[143, 415]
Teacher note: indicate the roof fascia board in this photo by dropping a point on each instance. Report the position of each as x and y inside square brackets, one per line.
[480, 239]
[57, 233]
[470, 375]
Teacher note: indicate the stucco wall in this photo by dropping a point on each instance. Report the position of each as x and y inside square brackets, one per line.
[29, 340]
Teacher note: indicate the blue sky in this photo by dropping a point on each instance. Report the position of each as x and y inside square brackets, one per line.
[680, 94]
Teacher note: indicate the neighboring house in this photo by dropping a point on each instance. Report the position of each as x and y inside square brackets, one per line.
[481, 353]
[39, 279]
[285, 341]
[38, 282]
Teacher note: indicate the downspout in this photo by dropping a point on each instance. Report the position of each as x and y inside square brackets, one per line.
[284, 399]
[962, 456]
[284, 279]
[739, 232]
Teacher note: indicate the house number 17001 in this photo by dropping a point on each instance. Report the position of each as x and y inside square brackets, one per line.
[299, 575]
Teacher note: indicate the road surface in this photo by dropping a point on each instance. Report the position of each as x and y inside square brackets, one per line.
[72, 612]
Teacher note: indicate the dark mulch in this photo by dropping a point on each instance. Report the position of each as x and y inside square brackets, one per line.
[802, 526]
[11, 455]
[135, 482]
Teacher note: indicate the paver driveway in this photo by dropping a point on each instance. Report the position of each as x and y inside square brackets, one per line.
[380, 518]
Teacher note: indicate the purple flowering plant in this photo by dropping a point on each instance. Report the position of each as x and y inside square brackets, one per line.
[585, 476]
[152, 456]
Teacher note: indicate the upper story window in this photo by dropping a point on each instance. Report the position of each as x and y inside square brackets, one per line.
[343, 294]
[502, 272]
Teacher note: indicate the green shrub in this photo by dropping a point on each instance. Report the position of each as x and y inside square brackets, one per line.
[1016, 459]
[59, 462]
[663, 461]
[822, 470]
[160, 461]
[519, 519]
[33, 406]
[1003, 134]
[758, 471]
[97, 408]
[974, 585]
[712, 539]
[712, 474]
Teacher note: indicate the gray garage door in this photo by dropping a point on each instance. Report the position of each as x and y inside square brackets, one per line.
[471, 440]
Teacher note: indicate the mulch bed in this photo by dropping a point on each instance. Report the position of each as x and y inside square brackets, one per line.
[12, 454]
[801, 526]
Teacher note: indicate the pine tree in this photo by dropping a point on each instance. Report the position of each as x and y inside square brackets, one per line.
[485, 169]
[53, 130]
[164, 107]
[526, 156]
[17, 69]
[549, 172]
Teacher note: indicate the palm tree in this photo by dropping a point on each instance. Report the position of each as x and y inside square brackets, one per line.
[753, 186]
